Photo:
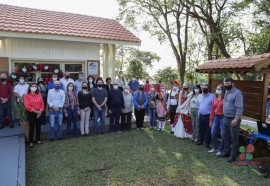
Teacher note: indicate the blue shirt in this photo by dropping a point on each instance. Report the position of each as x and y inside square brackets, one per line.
[233, 103]
[136, 105]
[205, 103]
[134, 85]
[56, 98]
[51, 85]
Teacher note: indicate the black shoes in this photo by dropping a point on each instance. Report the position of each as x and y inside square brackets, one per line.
[1, 127]
[224, 155]
[51, 140]
[198, 143]
[171, 132]
[232, 159]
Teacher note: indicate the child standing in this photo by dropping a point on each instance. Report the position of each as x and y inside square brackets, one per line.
[152, 106]
[162, 108]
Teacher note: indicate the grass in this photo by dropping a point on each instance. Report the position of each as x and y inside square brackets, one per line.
[138, 157]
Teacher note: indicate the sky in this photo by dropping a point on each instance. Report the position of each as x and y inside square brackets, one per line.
[106, 9]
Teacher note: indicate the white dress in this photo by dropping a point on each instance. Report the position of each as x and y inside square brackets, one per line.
[179, 129]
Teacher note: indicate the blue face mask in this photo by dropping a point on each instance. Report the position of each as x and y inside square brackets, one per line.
[57, 87]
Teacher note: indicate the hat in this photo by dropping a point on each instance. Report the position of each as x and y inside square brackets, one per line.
[175, 82]
[162, 86]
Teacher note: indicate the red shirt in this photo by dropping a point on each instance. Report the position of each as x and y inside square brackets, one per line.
[33, 102]
[147, 87]
[158, 88]
[217, 108]
[5, 90]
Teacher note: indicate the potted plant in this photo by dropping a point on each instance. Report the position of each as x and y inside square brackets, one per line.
[23, 116]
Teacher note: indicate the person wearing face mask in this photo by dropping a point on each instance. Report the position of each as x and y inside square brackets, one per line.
[34, 104]
[172, 102]
[193, 110]
[108, 85]
[51, 83]
[183, 124]
[91, 82]
[127, 111]
[115, 105]
[42, 87]
[216, 120]
[71, 110]
[162, 98]
[85, 103]
[56, 100]
[5, 101]
[232, 111]
[158, 86]
[99, 99]
[205, 101]
[152, 106]
[147, 86]
[66, 80]
[78, 82]
[121, 81]
[140, 100]
[133, 85]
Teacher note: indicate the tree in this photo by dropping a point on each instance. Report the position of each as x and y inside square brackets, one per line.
[167, 75]
[167, 20]
[136, 68]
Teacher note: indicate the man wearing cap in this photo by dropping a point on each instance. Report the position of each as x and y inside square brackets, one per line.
[172, 102]
[232, 110]
[115, 105]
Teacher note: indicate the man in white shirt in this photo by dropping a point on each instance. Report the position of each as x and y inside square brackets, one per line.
[56, 100]
[21, 88]
[78, 83]
[66, 80]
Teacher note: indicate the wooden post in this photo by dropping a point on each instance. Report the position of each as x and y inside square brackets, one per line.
[210, 82]
[265, 94]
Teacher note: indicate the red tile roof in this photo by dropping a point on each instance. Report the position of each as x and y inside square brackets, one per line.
[28, 20]
[249, 63]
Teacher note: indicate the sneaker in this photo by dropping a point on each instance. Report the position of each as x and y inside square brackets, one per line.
[198, 143]
[39, 142]
[31, 145]
[196, 140]
[218, 153]
[159, 129]
[232, 159]
[212, 151]
[142, 128]
[171, 132]
[192, 139]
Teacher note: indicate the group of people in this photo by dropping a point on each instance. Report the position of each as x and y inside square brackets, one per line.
[196, 114]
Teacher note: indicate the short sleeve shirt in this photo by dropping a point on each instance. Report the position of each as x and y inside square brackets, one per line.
[99, 95]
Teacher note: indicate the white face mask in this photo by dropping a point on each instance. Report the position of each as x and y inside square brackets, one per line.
[133, 79]
[163, 90]
[126, 90]
[33, 89]
[54, 79]
[21, 80]
[121, 75]
[152, 89]
[90, 80]
[81, 77]
[218, 92]
[70, 88]
[196, 90]
[115, 87]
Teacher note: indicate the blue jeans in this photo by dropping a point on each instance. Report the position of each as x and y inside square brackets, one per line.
[8, 106]
[114, 119]
[217, 123]
[231, 135]
[72, 117]
[56, 117]
[152, 116]
[267, 109]
[101, 115]
[204, 129]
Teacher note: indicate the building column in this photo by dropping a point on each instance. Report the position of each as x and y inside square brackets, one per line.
[105, 61]
[112, 61]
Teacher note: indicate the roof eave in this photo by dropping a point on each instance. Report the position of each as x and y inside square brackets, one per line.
[66, 38]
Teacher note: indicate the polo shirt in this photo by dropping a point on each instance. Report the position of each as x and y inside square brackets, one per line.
[99, 96]
[21, 89]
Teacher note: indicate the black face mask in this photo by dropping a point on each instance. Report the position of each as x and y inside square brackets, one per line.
[147, 81]
[141, 88]
[84, 87]
[67, 77]
[99, 85]
[41, 81]
[228, 87]
[3, 79]
[185, 88]
[205, 90]
[159, 81]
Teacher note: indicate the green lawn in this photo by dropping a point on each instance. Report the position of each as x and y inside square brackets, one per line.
[138, 157]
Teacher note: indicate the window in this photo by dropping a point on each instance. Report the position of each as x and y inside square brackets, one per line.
[74, 70]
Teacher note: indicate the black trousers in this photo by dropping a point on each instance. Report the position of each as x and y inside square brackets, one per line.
[126, 121]
[34, 122]
[139, 115]
[172, 113]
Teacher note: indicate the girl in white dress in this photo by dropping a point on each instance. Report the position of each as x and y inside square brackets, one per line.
[183, 127]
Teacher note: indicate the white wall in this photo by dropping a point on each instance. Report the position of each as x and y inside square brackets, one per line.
[22, 48]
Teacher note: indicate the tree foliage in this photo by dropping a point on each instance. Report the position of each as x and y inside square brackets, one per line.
[136, 69]
[167, 75]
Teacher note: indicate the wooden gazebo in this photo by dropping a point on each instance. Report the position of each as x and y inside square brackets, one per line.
[255, 92]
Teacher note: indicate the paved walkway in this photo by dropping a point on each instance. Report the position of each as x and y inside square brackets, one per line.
[12, 154]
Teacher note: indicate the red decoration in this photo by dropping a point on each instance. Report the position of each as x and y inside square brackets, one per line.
[61, 74]
[30, 69]
[19, 73]
[50, 69]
